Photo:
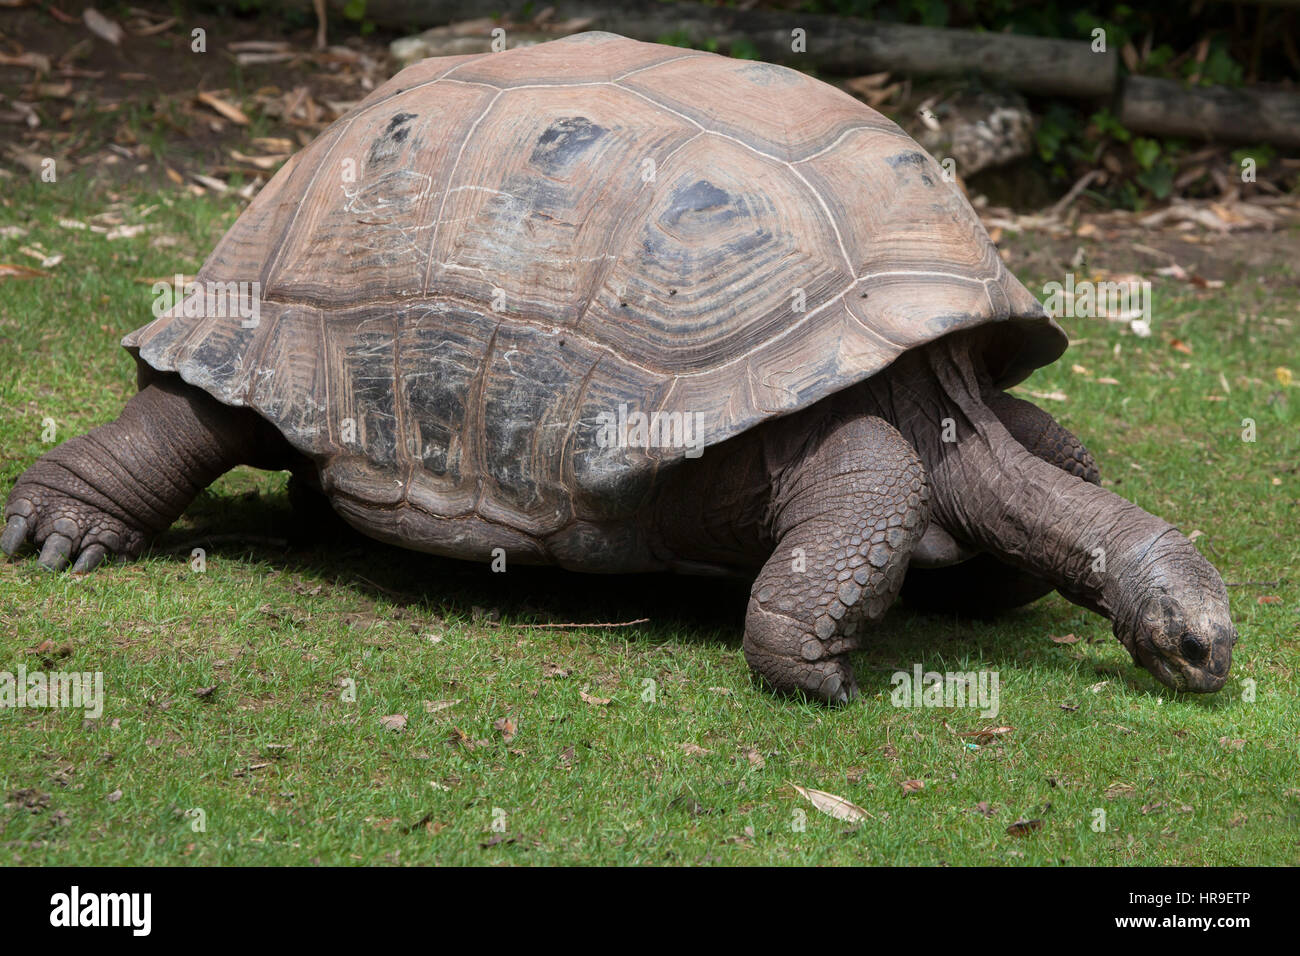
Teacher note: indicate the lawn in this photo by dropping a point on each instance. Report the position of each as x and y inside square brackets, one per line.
[312, 697]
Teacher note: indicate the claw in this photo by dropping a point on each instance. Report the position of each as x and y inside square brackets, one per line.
[90, 559]
[55, 554]
[14, 535]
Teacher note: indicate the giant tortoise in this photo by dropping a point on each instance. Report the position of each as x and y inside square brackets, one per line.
[624, 307]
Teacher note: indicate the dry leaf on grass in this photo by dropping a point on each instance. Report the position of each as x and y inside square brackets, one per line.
[12, 270]
[598, 701]
[831, 805]
[34, 61]
[987, 734]
[394, 722]
[104, 28]
[261, 162]
[1024, 827]
[228, 110]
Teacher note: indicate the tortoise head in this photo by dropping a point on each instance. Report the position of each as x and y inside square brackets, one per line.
[1182, 632]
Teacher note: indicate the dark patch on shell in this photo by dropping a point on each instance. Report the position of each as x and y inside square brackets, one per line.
[700, 201]
[563, 143]
[387, 146]
[902, 161]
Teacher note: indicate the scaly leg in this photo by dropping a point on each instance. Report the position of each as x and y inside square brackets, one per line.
[845, 515]
[112, 489]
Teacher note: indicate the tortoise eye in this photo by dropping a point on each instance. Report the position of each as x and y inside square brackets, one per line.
[1193, 649]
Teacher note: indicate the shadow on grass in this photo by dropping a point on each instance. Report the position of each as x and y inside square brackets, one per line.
[311, 541]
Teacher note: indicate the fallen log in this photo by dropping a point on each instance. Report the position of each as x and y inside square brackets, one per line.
[1241, 115]
[832, 44]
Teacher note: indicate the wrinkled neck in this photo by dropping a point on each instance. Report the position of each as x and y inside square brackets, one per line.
[1096, 548]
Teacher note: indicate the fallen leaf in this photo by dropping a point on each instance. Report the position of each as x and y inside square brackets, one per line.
[831, 805]
[100, 25]
[46, 260]
[433, 706]
[261, 162]
[1231, 744]
[598, 701]
[987, 734]
[1283, 375]
[693, 750]
[35, 61]
[1117, 790]
[913, 786]
[1268, 599]
[394, 722]
[1178, 345]
[1024, 827]
[125, 232]
[115, 796]
[228, 110]
[506, 727]
[205, 692]
[755, 758]
[12, 270]
[211, 182]
[1064, 639]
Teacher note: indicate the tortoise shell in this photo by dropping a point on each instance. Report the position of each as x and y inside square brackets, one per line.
[462, 275]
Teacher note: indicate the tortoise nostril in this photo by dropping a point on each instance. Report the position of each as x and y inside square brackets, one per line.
[1193, 649]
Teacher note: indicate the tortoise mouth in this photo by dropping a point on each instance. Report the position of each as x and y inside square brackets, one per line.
[1188, 678]
[1162, 672]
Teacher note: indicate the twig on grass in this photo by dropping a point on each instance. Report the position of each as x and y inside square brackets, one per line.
[570, 624]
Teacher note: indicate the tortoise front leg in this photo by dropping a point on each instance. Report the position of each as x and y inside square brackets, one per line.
[845, 516]
[109, 491]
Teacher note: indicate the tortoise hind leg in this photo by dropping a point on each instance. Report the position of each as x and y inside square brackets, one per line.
[111, 490]
[985, 586]
[846, 515]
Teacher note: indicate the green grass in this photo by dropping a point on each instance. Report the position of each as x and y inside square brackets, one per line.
[286, 770]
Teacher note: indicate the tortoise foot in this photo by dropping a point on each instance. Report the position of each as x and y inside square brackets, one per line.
[68, 521]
